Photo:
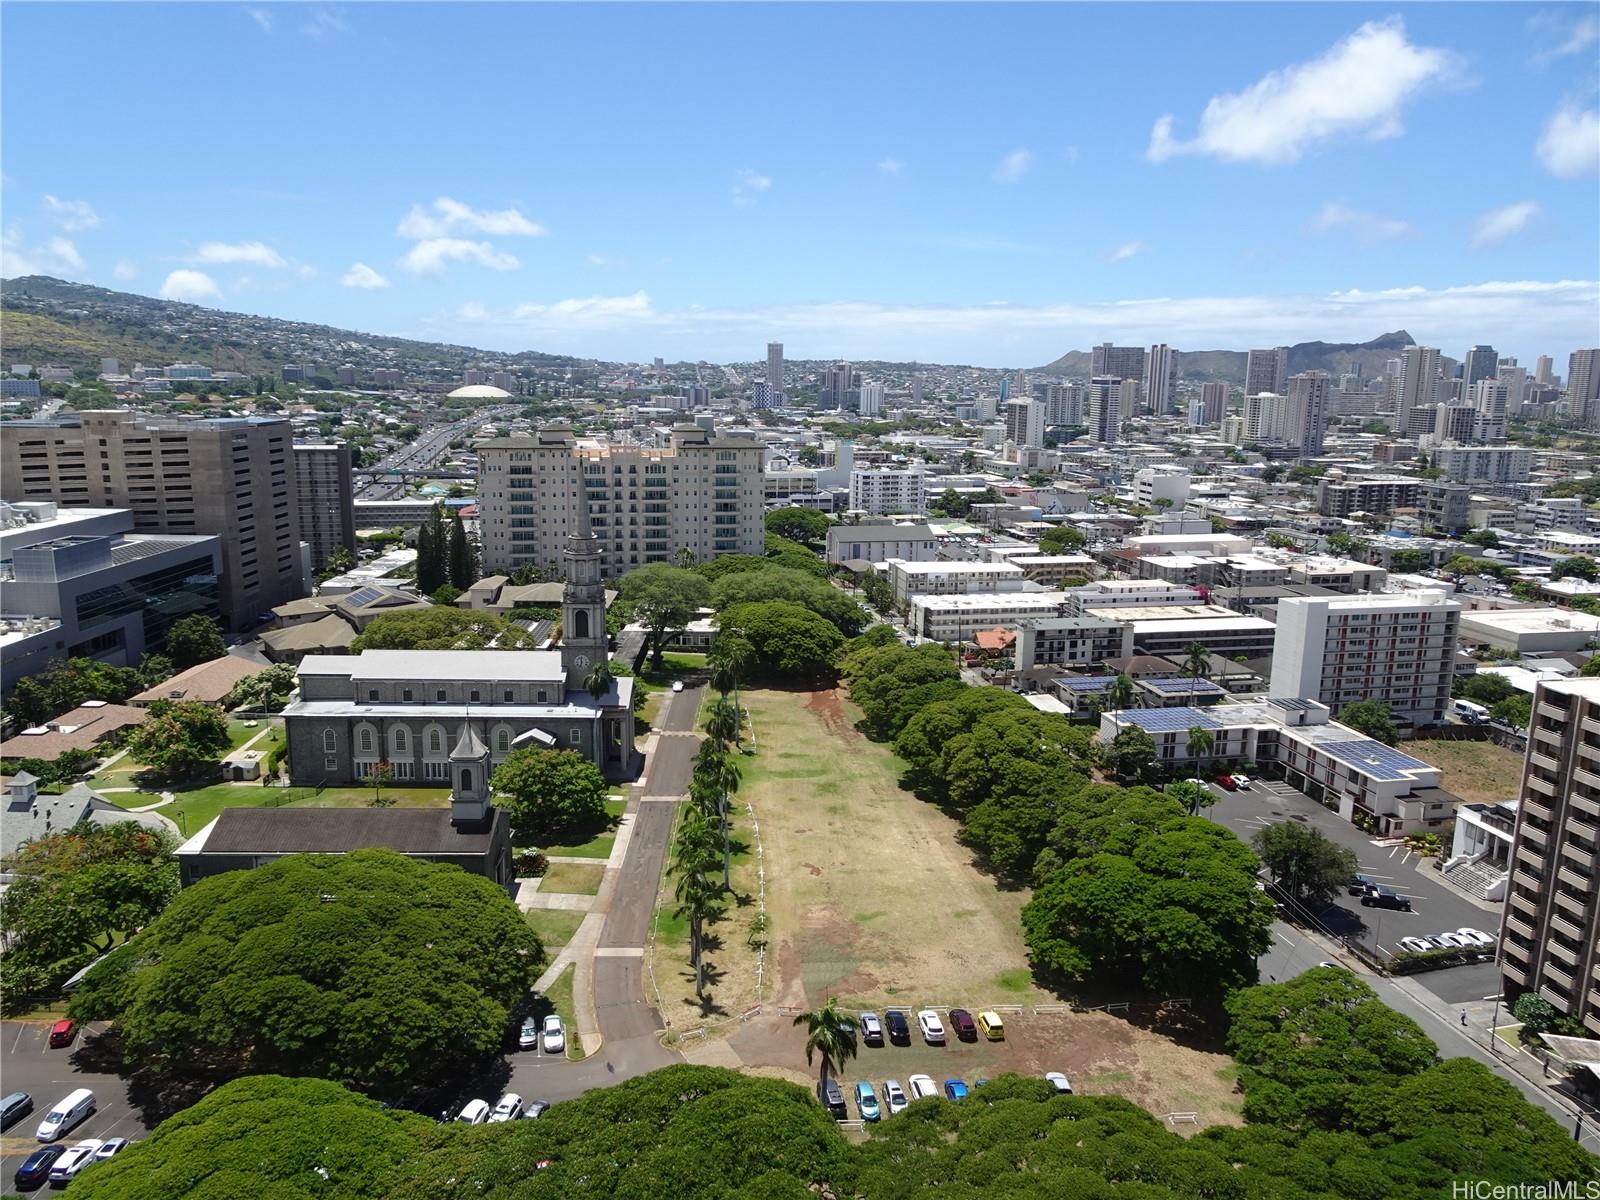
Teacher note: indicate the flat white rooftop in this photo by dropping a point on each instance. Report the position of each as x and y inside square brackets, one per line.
[452, 665]
[1530, 620]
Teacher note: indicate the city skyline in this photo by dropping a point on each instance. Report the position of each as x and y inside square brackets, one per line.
[495, 185]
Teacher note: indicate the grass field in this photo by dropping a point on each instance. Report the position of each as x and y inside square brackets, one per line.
[597, 846]
[573, 878]
[1481, 772]
[555, 926]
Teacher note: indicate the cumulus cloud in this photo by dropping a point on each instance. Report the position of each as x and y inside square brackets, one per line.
[1563, 39]
[748, 186]
[257, 254]
[1358, 88]
[1125, 251]
[362, 276]
[891, 166]
[594, 311]
[191, 286]
[432, 254]
[125, 269]
[1368, 226]
[446, 217]
[74, 216]
[1500, 223]
[1569, 145]
[1013, 166]
[56, 256]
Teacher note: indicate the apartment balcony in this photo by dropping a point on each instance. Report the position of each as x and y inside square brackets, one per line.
[1582, 857]
[1575, 879]
[1538, 783]
[1512, 971]
[1558, 975]
[1525, 903]
[1550, 737]
[1535, 836]
[1572, 904]
[1536, 809]
[1584, 804]
[1554, 949]
[1516, 924]
[1560, 923]
[1543, 761]
[1587, 778]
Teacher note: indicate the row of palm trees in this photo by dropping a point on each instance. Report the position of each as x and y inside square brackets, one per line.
[703, 834]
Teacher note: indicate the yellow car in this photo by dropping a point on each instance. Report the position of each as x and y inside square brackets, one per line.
[992, 1027]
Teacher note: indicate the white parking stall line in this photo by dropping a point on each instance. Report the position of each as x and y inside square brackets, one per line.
[1283, 939]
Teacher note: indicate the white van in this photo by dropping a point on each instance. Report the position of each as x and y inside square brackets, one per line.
[475, 1112]
[66, 1114]
[1470, 712]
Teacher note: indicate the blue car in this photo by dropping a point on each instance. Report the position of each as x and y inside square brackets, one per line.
[867, 1102]
[35, 1171]
[955, 1089]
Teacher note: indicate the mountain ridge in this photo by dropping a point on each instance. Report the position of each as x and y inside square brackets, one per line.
[1228, 366]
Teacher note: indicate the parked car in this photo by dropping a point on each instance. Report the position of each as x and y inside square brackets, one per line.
[979, 1082]
[110, 1148]
[14, 1107]
[1448, 941]
[899, 1027]
[474, 1112]
[991, 1026]
[1359, 883]
[35, 1169]
[535, 1110]
[1476, 936]
[528, 1035]
[832, 1097]
[922, 1086]
[1226, 783]
[871, 1029]
[931, 1026]
[1242, 782]
[955, 1089]
[77, 1157]
[1385, 897]
[68, 1113]
[677, 685]
[509, 1109]
[894, 1096]
[966, 1028]
[62, 1033]
[554, 1037]
[1059, 1081]
[867, 1102]
[1416, 944]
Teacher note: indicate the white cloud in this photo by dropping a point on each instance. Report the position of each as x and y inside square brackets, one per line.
[1524, 314]
[1368, 226]
[257, 254]
[325, 22]
[1574, 38]
[748, 186]
[1013, 166]
[1569, 145]
[891, 166]
[1500, 223]
[192, 286]
[74, 216]
[446, 217]
[261, 16]
[1358, 87]
[431, 254]
[598, 260]
[125, 269]
[57, 256]
[1125, 251]
[362, 276]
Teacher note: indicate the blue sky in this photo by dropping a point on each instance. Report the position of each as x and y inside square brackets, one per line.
[993, 184]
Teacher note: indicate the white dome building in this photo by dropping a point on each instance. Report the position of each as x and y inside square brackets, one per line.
[480, 391]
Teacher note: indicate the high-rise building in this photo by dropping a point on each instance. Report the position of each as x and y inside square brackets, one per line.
[775, 367]
[345, 376]
[1484, 464]
[1265, 416]
[1583, 380]
[1490, 401]
[761, 395]
[696, 395]
[871, 399]
[1542, 368]
[700, 493]
[1396, 649]
[1158, 379]
[1481, 362]
[1005, 389]
[838, 386]
[110, 366]
[1105, 409]
[1233, 429]
[884, 490]
[472, 377]
[1117, 362]
[1266, 371]
[326, 495]
[1214, 396]
[1550, 942]
[1024, 423]
[1063, 402]
[1419, 374]
[1306, 415]
[916, 388]
[229, 476]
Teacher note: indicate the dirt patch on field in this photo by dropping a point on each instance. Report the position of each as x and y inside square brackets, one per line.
[827, 705]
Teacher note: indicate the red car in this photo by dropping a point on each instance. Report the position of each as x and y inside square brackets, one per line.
[1226, 783]
[62, 1033]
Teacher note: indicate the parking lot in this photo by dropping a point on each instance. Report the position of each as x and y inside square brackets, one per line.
[29, 1065]
[1435, 906]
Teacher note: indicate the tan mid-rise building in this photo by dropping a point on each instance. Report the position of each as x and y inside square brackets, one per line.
[700, 493]
[1550, 943]
[229, 476]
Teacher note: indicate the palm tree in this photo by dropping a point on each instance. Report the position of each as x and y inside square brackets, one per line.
[694, 855]
[1197, 665]
[830, 1035]
[729, 660]
[1120, 694]
[723, 721]
[1200, 741]
[599, 679]
[717, 775]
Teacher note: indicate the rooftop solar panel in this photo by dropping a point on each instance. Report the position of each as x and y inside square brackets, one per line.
[363, 596]
[1376, 759]
[1170, 720]
[1290, 704]
[1086, 683]
[1176, 686]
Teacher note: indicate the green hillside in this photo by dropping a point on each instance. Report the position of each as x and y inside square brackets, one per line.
[36, 339]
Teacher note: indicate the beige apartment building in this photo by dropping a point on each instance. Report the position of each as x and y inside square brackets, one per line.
[1550, 943]
[229, 476]
[700, 493]
[326, 497]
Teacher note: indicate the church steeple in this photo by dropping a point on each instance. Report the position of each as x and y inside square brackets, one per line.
[469, 780]
[583, 599]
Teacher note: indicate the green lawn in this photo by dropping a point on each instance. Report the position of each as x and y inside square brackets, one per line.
[240, 732]
[577, 879]
[596, 846]
[132, 799]
[559, 997]
[555, 926]
[362, 797]
[672, 666]
[195, 809]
